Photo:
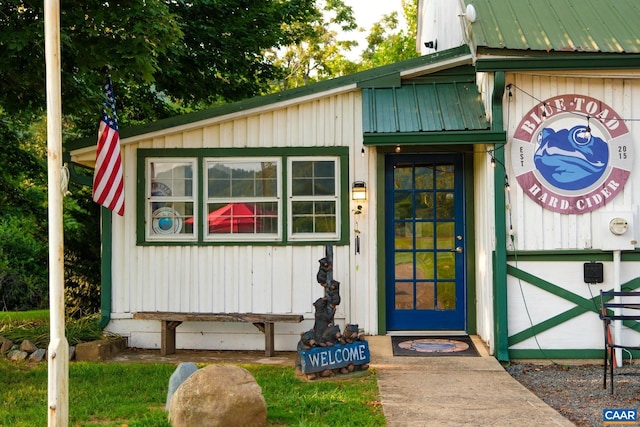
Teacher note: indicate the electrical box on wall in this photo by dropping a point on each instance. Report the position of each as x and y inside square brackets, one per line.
[614, 231]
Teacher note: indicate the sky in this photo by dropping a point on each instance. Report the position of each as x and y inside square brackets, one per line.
[367, 12]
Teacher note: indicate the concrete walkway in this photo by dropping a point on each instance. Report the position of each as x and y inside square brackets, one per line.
[454, 391]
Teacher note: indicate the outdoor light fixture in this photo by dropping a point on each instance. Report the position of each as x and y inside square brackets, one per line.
[432, 44]
[359, 190]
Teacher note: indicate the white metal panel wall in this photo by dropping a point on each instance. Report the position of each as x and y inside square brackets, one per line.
[441, 22]
[484, 242]
[263, 279]
[540, 229]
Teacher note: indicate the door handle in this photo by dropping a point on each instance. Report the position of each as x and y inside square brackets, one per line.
[458, 249]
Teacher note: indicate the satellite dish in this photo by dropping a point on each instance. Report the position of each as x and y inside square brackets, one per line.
[471, 13]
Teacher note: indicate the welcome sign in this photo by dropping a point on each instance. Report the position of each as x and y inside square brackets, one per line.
[572, 154]
[318, 359]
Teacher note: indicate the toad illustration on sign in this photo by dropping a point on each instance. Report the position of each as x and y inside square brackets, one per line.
[572, 154]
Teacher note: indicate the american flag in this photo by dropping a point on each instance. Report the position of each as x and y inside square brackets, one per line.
[108, 180]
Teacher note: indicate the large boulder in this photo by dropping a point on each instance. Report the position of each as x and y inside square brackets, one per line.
[218, 396]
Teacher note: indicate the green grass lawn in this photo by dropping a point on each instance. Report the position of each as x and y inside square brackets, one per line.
[134, 394]
[15, 316]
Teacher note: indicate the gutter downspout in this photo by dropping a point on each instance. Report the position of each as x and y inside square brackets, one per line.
[500, 314]
[106, 252]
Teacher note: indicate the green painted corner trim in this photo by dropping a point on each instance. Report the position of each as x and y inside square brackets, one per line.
[432, 138]
[501, 305]
[106, 278]
[588, 353]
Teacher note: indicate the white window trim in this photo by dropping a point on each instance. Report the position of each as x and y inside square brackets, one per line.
[301, 237]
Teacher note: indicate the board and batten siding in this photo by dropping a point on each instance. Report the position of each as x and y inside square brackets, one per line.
[536, 228]
[540, 230]
[241, 278]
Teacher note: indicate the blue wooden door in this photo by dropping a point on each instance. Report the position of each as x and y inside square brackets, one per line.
[425, 244]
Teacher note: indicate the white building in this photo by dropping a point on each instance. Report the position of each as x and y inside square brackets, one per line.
[228, 210]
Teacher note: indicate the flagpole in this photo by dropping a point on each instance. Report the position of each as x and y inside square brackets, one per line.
[58, 352]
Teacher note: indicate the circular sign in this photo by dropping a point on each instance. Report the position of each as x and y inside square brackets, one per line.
[166, 221]
[572, 154]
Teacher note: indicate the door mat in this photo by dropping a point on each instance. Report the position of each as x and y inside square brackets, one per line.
[433, 346]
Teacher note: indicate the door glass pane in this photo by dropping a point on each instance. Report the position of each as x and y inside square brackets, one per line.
[446, 296]
[404, 265]
[402, 177]
[424, 265]
[403, 208]
[446, 235]
[444, 177]
[446, 265]
[404, 296]
[446, 206]
[424, 177]
[425, 296]
[424, 205]
[403, 235]
[424, 235]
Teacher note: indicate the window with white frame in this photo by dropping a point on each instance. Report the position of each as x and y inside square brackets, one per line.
[170, 199]
[220, 196]
[242, 199]
[313, 197]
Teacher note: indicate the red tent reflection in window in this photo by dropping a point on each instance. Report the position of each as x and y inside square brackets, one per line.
[237, 218]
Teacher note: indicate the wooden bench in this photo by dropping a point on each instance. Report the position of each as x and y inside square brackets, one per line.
[610, 302]
[169, 321]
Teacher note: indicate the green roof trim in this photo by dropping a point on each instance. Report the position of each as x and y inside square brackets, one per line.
[436, 138]
[389, 73]
[551, 62]
[595, 26]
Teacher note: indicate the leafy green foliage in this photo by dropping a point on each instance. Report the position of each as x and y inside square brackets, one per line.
[319, 54]
[35, 328]
[388, 43]
[23, 233]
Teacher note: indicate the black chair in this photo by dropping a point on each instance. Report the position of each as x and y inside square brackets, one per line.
[607, 314]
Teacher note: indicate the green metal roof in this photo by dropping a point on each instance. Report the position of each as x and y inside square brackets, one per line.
[423, 107]
[605, 26]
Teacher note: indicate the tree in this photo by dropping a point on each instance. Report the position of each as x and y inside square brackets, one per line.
[319, 54]
[23, 232]
[387, 43]
[167, 54]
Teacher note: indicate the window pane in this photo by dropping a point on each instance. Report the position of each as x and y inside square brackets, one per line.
[313, 178]
[446, 296]
[314, 217]
[237, 218]
[171, 179]
[172, 219]
[425, 300]
[242, 179]
[404, 296]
